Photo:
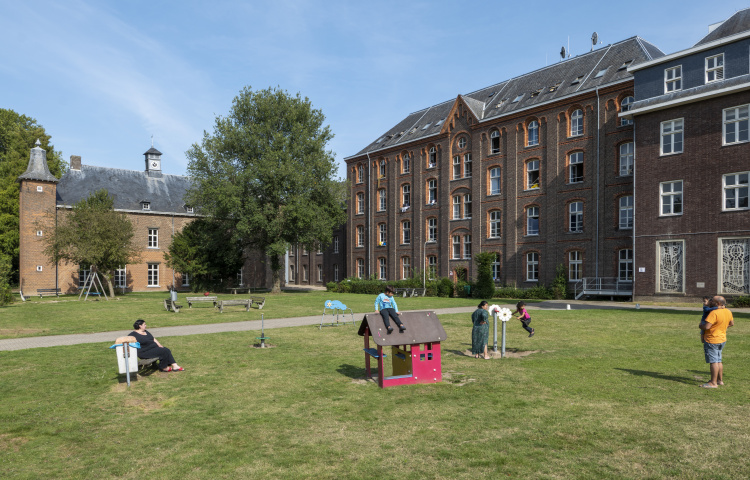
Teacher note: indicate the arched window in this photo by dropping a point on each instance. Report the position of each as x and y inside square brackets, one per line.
[462, 143]
[432, 158]
[532, 220]
[494, 218]
[494, 142]
[432, 191]
[405, 163]
[405, 196]
[575, 167]
[494, 179]
[360, 173]
[532, 134]
[576, 123]
[382, 168]
[625, 106]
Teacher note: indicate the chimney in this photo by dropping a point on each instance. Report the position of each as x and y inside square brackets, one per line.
[75, 162]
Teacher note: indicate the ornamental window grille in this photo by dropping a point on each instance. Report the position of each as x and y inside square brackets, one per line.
[671, 267]
[735, 266]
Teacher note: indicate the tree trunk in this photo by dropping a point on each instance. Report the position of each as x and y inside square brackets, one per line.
[108, 278]
[275, 267]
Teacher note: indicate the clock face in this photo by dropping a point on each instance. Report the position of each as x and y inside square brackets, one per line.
[154, 164]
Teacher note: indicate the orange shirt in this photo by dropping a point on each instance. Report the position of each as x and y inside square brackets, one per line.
[719, 320]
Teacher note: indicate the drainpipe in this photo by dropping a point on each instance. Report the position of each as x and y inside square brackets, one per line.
[634, 217]
[369, 214]
[598, 130]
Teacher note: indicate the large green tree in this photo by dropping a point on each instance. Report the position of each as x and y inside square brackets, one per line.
[265, 169]
[92, 233]
[18, 133]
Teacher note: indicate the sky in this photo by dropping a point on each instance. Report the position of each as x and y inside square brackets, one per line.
[103, 77]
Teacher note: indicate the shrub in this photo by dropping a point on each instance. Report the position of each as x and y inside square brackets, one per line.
[445, 287]
[485, 285]
[6, 295]
[560, 283]
[741, 302]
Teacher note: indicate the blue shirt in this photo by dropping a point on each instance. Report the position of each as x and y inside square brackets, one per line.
[706, 311]
[384, 301]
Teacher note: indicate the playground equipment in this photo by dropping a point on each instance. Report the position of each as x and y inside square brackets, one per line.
[334, 307]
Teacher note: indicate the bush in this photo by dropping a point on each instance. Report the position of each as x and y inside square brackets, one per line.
[445, 287]
[560, 283]
[741, 302]
[539, 292]
[485, 285]
[6, 295]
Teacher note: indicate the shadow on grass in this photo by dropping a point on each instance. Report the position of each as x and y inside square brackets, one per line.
[352, 371]
[660, 376]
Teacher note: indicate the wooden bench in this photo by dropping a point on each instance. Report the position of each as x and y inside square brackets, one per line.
[147, 362]
[418, 292]
[229, 303]
[258, 302]
[170, 305]
[404, 292]
[43, 292]
[234, 290]
[192, 300]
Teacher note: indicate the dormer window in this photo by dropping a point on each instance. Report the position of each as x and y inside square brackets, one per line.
[601, 73]
[577, 80]
[715, 68]
[146, 205]
[189, 209]
[518, 98]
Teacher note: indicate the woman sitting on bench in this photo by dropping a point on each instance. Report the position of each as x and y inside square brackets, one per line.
[150, 348]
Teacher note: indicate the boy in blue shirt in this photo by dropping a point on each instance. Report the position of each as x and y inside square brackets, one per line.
[708, 307]
[386, 305]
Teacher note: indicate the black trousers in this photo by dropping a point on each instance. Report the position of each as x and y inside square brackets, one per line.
[526, 326]
[389, 312]
[165, 356]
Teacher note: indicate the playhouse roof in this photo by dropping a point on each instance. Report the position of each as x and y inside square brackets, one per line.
[421, 327]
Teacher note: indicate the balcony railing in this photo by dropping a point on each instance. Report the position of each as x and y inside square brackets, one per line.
[603, 286]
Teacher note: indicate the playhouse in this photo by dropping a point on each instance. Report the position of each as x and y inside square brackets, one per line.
[415, 353]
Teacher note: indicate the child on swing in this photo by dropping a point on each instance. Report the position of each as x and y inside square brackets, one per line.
[525, 318]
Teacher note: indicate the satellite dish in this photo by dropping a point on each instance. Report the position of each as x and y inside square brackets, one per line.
[562, 53]
[594, 40]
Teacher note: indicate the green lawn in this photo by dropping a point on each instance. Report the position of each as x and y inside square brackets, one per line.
[607, 394]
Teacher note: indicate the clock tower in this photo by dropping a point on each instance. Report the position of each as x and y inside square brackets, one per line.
[153, 160]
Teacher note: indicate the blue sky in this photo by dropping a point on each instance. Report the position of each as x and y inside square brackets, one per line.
[102, 77]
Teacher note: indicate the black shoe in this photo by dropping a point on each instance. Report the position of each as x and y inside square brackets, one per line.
[390, 329]
[532, 333]
[401, 328]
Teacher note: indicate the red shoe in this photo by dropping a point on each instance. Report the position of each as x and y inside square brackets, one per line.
[178, 369]
[168, 369]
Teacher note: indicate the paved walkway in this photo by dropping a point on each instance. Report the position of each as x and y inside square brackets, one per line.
[109, 337]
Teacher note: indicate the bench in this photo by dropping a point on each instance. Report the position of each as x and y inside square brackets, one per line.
[170, 305]
[147, 362]
[418, 292]
[43, 292]
[258, 301]
[373, 352]
[192, 300]
[234, 290]
[229, 303]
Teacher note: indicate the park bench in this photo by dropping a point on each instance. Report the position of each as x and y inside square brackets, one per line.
[171, 305]
[43, 292]
[403, 292]
[418, 292]
[234, 290]
[192, 300]
[229, 303]
[258, 301]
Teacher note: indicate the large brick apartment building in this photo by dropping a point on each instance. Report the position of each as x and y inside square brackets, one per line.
[538, 169]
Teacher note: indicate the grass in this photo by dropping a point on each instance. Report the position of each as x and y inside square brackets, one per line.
[607, 394]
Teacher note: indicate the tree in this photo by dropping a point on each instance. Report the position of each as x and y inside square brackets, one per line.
[17, 136]
[266, 172]
[6, 295]
[204, 250]
[92, 233]
[485, 284]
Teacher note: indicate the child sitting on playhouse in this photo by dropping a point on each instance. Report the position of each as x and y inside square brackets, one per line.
[386, 305]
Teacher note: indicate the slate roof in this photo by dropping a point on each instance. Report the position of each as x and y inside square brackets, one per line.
[737, 23]
[37, 168]
[129, 188]
[552, 83]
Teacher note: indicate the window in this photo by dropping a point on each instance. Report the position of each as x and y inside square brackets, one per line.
[291, 273]
[575, 224]
[432, 229]
[671, 198]
[575, 266]
[532, 221]
[626, 212]
[456, 167]
[292, 249]
[405, 268]
[625, 106]
[432, 267]
[360, 203]
[462, 143]
[146, 205]
[381, 234]
[532, 267]
[670, 275]
[304, 250]
[735, 266]
[673, 79]
[736, 191]
[360, 268]
[457, 201]
[335, 272]
[576, 123]
[601, 73]
[467, 205]
[532, 174]
[189, 209]
[626, 159]
[304, 273]
[360, 236]
[121, 276]
[575, 167]
[153, 274]
[625, 265]
[83, 274]
[39, 188]
[405, 164]
[432, 158]
[467, 246]
[494, 142]
[406, 233]
[456, 207]
[467, 165]
[671, 136]
[456, 247]
[153, 238]
[496, 268]
[382, 168]
[320, 273]
[495, 181]
[494, 218]
[381, 200]
[335, 244]
[432, 192]
[517, 99]
[39, 233]
[405, 195]
[381, 268]
[532, 135]
[715, 68]
[736, 125]
[240, 278]
[360, 174]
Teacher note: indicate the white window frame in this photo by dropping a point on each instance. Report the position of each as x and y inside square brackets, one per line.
[494, 142]
[335, 244]
[360, 268]
[320, 272]
[382, 200]
[628, 157]
[432, 227]
[467, 247]
[576, 123]
[735, 125]
[406, 164]
[360, 173]
[575, 163]
[495, 184]
[532, 267]
[575, 265]
[467, 205]
[532, 213]
[456, 244]
[360, 235]
[432, 158]
[405, 232]
[672, 194]
[153, 238]
[360, 203]
[625, 105]
[673, 79]
[456, 207]
[405, 268]
[467, 165]
[739, 191]
[382, 268]
[405, 195]
[495, 221]
[575, 217]
[462, 143]
[431, 266]
[537, 164]
[382, 234]
[625, 264]
[381, 169]
[456, 167]
[715, 68]
[152, 275]
[121, 278]
[431, 192]
[532, 139]
[671, 130]
[625, 217]
[496, 268]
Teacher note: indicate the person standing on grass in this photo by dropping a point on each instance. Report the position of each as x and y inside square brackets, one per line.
[525, 318]
[385, 304]
[714, 338]
[708, 307]
[480, 333]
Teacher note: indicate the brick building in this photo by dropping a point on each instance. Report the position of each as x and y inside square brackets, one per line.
[537, 168]
[692, 236]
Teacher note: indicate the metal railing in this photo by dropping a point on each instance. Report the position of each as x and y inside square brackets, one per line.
[602, 286]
